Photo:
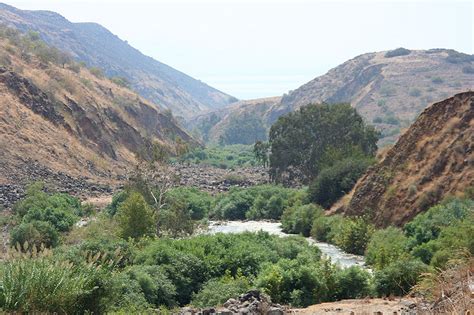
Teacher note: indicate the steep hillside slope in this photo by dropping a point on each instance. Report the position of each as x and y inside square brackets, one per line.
[432, 159]
[389, 89]
[243, 122]
[97, 46]
[62, 118]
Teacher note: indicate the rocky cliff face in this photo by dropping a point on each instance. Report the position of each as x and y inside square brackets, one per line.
[432, 159]
[97, 46]
[69, 123]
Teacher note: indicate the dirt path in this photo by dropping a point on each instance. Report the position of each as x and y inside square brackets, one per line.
[361, 307]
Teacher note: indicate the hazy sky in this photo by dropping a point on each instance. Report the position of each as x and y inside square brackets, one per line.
[258, 48]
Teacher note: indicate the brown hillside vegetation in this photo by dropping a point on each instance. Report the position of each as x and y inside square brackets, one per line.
[432, 159]
[64, 118]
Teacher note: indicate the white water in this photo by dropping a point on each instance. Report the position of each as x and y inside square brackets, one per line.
[336, 255]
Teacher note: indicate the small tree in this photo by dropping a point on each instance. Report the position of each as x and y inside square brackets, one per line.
[135, 217]
[260, 150]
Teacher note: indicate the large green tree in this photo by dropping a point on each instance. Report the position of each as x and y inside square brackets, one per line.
[316, 136]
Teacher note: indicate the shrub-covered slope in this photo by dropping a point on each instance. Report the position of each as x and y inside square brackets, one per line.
[433, 158]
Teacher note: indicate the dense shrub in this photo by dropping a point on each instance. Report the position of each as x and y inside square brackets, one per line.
[156, 287]
[333, 182]
[299, 219]
[257, 202]
[428, 225]
[353, 283]
[217, 291]
[175, 219]
[354, 235]
[117, 199]
[135, 217]
[325, 228]
[34, 234]
[397, 52]
[398, 277]
[385, 247]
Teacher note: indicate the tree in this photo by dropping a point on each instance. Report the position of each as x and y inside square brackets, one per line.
[260, 151]
[135, 217]
[315, 137]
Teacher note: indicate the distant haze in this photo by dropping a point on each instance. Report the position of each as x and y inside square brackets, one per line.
[261, 48]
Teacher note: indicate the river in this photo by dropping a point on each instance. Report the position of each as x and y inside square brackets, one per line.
[336, 255]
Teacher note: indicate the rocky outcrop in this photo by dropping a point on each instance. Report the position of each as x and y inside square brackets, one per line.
[434, 158]
[251, 303]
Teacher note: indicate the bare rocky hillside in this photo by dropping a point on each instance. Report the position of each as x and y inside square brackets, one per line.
[62, 122]
[97, 46]
[434, 158]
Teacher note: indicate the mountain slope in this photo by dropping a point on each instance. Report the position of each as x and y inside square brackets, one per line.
[64, 119]
[389, 89]
[432, 159]
[243, 122]
[96, 46]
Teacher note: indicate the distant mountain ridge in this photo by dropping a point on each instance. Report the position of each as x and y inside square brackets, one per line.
[97, 46]
[389, 88]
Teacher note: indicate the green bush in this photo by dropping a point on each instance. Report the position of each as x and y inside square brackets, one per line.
[217, 291]
[385, 247]
[333, 182]
[325, 228]
[353, 283]
[196, 202]
[354, 235]
[156, 287]
[34, 234]
[257, 202]
[428, 225]
[175, 220]
[135, 217]
[398, 277]
[117, 199]
[299, 219]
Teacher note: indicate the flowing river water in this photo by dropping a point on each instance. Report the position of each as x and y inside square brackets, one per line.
[336, 255]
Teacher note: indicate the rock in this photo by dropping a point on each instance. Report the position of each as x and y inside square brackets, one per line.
[275, 311]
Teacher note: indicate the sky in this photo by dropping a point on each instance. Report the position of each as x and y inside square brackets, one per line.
[260, 48]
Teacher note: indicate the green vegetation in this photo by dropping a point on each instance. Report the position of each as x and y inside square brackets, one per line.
[258, 202]
[135, 218]
[333, 182]
[42, 217]
[244, 129]
[397, 52]
[305, 142]
[230, 156]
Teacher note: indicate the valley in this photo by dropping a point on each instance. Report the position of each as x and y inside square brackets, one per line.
[129, 187]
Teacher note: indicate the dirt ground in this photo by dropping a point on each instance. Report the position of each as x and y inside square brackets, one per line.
[361, 307]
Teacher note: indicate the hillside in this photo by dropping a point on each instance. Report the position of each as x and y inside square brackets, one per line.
[242, 122]
[432, 159]
[389, 89]
[61, 120]
[98, 47]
